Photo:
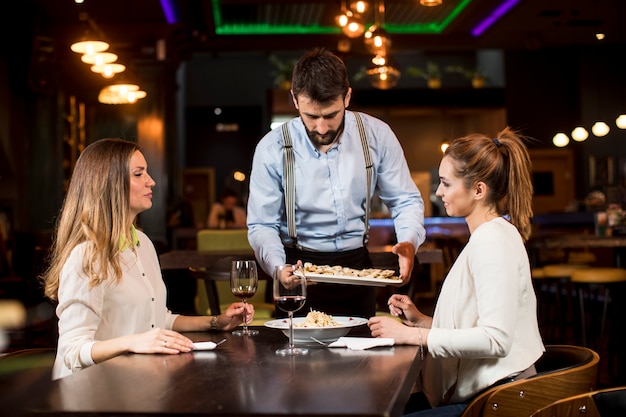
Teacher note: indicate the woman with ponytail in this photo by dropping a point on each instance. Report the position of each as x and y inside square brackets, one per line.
[484, 329]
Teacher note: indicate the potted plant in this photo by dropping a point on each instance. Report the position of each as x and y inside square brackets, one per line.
[432, 74]
[477, 77]
[282, 71]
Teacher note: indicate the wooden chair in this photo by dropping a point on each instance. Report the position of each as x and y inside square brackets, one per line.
[218, 239]
[562, 371]
[608, 402]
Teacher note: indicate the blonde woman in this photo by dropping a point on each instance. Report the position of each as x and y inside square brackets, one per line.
[484, 330]
[105, 273]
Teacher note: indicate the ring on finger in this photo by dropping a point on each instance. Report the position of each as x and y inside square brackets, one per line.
[165, 343]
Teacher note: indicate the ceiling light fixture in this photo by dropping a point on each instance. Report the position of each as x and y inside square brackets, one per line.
[354, 26]
[121, 94]
[430, 3]
[580, 134]
[621, 121]
[89, 46]
[108, 70]
[560, 140]
[383, 77]
[600, 129]
[376, 39]
[99, 58]
[359, 6]
[90, 42]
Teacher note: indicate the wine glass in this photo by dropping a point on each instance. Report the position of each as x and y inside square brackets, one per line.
[243, 284]
[289, 292]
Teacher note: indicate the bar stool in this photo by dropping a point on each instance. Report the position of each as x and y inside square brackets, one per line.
[553, 289]
[595, 284]
[601, 294]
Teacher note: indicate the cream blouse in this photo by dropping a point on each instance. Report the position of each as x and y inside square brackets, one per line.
[135, 305]
[485, 322]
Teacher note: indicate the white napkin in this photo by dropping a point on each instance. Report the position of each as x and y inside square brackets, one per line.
[361, 343]
[204, 345]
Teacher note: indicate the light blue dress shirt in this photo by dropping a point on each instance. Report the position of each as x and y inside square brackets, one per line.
[330, 191]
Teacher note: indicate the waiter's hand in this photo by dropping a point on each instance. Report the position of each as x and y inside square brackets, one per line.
[406, 258]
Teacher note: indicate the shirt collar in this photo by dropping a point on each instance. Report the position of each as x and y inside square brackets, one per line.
[124, 244]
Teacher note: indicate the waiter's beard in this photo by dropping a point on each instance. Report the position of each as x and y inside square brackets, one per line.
[326, 139]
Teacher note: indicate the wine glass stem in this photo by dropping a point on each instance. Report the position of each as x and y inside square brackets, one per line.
[291, 345]
[245, 315]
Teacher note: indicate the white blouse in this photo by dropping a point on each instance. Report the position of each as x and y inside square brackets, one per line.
[485, 323]
[86, 315]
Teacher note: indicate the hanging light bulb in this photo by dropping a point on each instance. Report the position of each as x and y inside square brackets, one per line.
[354, 26]
[430, 3]
[621, 121]
[444, 145]
[121, 93]
[376, 38]
[383, 77]
[359, 6]
[99, 58]
[580, 134]
[379, 60]
[90, 42]
[108, 70]
[600, 129]
[560, 140]
[89, 46]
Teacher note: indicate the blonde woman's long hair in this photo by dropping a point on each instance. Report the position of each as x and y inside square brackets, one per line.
[96, 211]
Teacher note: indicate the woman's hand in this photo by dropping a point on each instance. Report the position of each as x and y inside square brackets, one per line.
[402, 306]
[160, 341]
[232, 317]
[381, 326]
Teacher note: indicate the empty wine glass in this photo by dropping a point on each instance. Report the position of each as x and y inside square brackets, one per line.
[289, 292]
[243, 284]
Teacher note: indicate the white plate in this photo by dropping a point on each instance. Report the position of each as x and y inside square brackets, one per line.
[325, 334]
[204, 345]
[340, 279]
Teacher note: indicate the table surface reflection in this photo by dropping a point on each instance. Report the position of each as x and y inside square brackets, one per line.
[243, 376]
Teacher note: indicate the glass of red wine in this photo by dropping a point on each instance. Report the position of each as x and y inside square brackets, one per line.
[289, 293]
[243, 284]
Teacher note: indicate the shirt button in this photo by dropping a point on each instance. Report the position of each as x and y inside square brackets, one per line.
[153, 299]
[152, 326]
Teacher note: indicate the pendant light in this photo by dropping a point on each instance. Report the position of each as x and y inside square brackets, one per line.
[99, 58]
[600, 129]
[560, 140]
[376, 39]
[430, 3]
[351, 23]
[621, 121]
[580, 134]
[90, 42]
[108, 70]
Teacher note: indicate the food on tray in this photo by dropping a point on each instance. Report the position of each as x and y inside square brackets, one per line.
[317, 319]
[342, 271]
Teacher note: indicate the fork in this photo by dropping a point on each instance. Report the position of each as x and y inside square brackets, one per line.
[319, 341]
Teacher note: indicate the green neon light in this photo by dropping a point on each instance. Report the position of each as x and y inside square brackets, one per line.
[267, 29]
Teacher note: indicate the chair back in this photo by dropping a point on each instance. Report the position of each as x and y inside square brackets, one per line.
[608, 402]
[562, 371]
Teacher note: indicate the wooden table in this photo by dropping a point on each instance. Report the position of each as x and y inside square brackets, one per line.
[242, 377]
[571, 241]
